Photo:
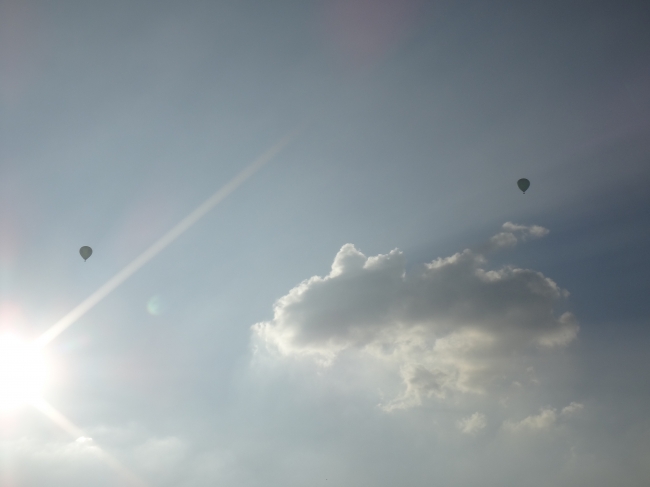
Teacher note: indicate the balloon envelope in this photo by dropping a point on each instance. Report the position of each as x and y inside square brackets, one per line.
[85, 252]
[523, 184]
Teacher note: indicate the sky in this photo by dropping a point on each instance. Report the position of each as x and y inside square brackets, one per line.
[377, 304]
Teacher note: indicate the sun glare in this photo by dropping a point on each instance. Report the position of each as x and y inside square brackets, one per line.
[23, 372]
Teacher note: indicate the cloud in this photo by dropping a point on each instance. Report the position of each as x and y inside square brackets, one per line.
[57, 463]
[123, 454]
[472, 424]
[572, 408]
[448, 329]
[540, 422]
[545, 420]
[513, 234]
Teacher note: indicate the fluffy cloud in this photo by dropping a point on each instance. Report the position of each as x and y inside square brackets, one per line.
[450, 328]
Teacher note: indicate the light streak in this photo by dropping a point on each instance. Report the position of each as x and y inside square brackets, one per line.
[163, 242]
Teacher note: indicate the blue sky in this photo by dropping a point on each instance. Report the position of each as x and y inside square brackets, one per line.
[378, 304]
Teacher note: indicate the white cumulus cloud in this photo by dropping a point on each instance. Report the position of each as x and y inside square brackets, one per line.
[448, 328]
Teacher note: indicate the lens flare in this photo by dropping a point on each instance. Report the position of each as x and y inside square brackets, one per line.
[23, 372]
[155, 305]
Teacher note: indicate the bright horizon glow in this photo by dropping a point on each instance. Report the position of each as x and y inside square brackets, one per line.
[23, 372]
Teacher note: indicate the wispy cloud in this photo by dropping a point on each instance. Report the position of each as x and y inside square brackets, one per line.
[472, 424]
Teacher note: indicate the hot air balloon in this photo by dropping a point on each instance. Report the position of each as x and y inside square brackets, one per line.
[523, 184]
[85, 252]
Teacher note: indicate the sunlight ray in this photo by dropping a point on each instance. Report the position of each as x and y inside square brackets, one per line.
[74, 431]
[163, 242]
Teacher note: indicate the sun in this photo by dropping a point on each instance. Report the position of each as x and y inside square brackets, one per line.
[23, 372]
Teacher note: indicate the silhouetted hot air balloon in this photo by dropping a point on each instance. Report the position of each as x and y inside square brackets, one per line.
[523, 184]
[85, 252]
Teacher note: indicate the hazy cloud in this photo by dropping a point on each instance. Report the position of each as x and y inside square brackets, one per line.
[472, 424]
[539, 422]
[513, 233]
[572, 408]
[543, 421]
[125, 455]
[160, 458]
